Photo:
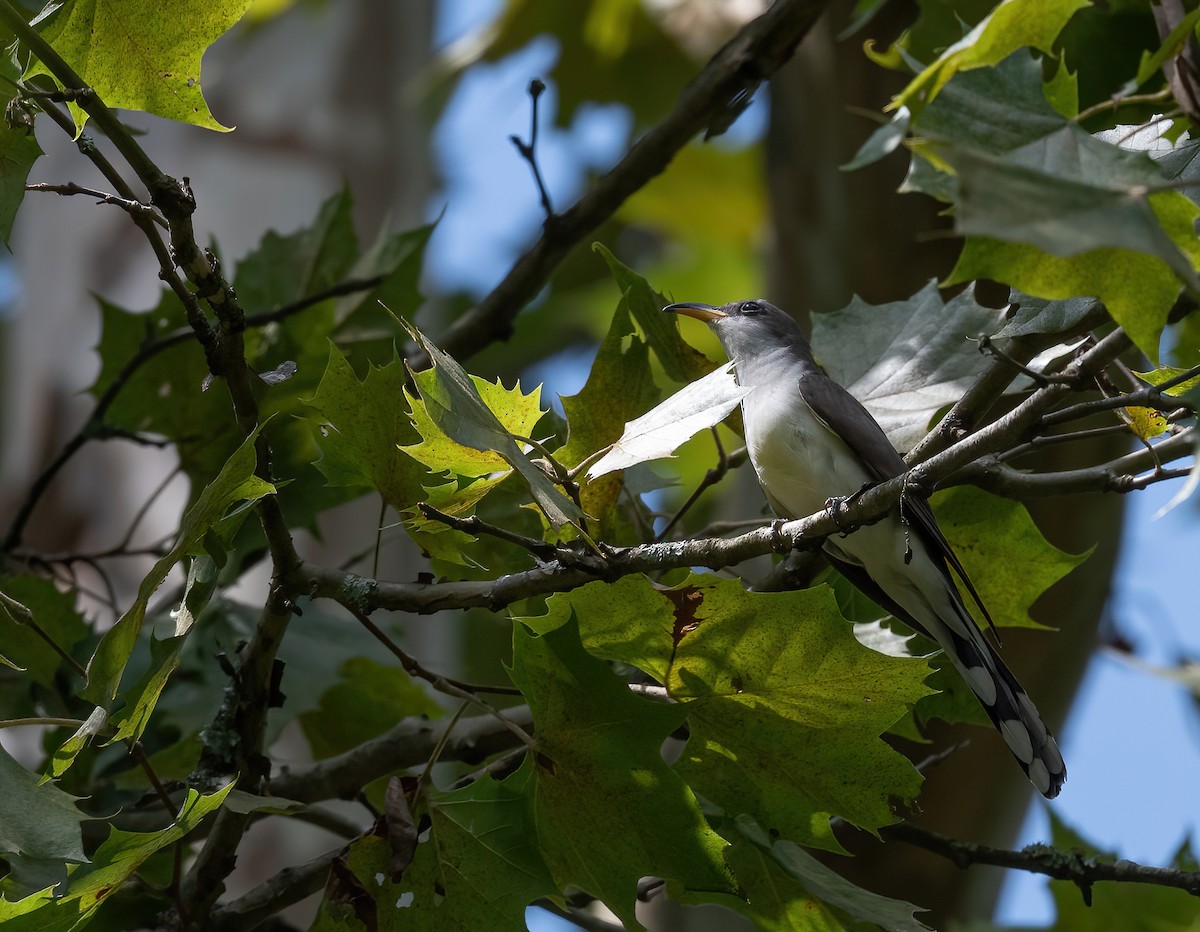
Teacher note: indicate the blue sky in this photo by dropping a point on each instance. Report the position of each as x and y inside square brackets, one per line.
[1132, 740]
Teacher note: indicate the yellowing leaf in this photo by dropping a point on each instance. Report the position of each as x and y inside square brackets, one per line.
[1010, 26]
[1146, 423]
[141, 54]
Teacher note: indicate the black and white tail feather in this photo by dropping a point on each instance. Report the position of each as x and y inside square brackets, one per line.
[1010, 709]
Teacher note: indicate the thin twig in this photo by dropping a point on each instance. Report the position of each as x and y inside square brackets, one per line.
[1079, 869]
[102, 197]
[711, 478]
[476, 527]
[529, 151]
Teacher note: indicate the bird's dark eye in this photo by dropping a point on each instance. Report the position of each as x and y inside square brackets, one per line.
[751, 307]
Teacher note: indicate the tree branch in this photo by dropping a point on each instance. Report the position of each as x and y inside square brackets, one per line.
[1079, 869]
[366, 595]
[720, 90]
[408, 744]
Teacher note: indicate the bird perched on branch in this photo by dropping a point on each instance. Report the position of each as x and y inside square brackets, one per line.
[811, 442]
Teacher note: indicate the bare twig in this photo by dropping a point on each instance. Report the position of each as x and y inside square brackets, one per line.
[711, 478]
[476, 527]
[408, 744]
[102, 197]
[529, 150]
[1079, 869]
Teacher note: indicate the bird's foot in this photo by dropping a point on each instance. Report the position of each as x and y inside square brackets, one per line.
[837, 505]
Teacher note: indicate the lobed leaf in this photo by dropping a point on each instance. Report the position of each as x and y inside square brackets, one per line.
[139, 54]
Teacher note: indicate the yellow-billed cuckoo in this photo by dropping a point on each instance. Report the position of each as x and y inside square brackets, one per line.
[811, 441]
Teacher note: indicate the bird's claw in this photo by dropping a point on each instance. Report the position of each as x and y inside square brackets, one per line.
[836, 505]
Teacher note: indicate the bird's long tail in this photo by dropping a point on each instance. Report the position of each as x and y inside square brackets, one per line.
[1010, 709]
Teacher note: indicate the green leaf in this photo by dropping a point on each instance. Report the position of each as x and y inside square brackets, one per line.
[140, 54]
[1010, 26]
[659, 432]
[786, 709]
[479, 868]
[19, 148]
[115, 861]
[607, 808]
[1069, 193]
[367, 424]
[1005, 554]
[516, 412]
[803, 870]
[1138, 290]
[142, 697]
[369, 700]
[235, 483]
[54, 613]
[1172, 45]
[164, 394]
[680, 362]
[905, 360]
[38, 821]
[285, 268]
[457, 407]
[785, 706]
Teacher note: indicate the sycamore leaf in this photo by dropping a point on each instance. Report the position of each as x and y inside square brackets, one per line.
[366, 424]
[139, 54]
[659, 432]
[883, 142]
[368, 700]
[457, 407]
[1053, 211]
[1011, 25]
[1137, 289]
[481, 865]
[113, 863]
[619, 387]
[54, 613]
[164, 395]
[828, 887]
[1038, 315]
[608, 810]
[1007, 557]
[1068, 193]
[235, 483]
[1146, 423]
[785, 705]
[38, 821]
[679, 360]
[1165, 374]
[905, 360]
[19, 148]
[517, 413]
[284, 268]
[141, 698]
[786, 709]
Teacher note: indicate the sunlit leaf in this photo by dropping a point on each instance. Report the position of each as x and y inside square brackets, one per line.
[140, 54]
[660, 431]
[1011, 25]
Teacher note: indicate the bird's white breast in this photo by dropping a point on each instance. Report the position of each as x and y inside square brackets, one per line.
[799, 462]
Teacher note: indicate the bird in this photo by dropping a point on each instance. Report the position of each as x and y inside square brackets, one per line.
[812, 444]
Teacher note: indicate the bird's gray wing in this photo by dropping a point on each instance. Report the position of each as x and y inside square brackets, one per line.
[845, 416]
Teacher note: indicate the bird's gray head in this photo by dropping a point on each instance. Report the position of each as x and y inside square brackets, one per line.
[748, 329]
